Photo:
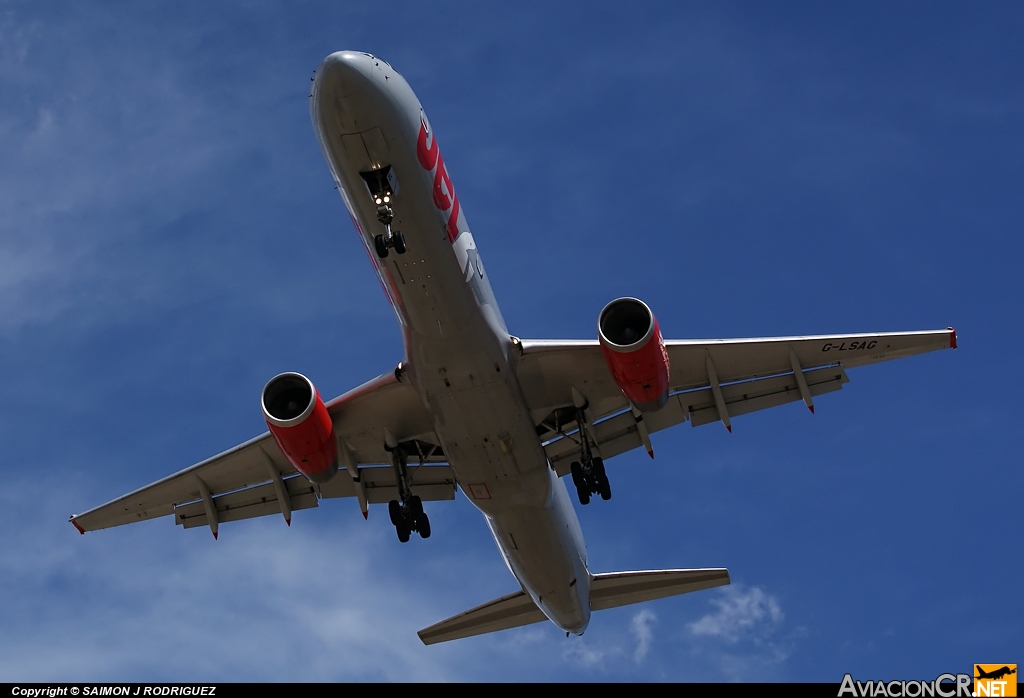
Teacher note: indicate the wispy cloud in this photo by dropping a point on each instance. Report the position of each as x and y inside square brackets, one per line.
[740, 613]
[745, 635]
[642, 629]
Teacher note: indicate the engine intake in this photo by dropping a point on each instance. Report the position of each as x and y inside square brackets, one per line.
[298, 421]
[635, 352]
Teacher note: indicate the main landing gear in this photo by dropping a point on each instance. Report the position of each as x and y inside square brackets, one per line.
[406, 514]
[588, 472]
[390, 238]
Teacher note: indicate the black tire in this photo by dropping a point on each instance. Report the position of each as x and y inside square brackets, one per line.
[423, 526]
[395, 512]
[403, 532]
[576, 470]
[382, 247]
[399, 241]
[584, 495]
[416, 507]
[604, 488]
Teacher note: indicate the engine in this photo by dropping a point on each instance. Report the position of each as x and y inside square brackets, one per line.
[300, 425]
[635, 352]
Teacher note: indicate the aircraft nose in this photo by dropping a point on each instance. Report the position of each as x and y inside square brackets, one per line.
[345, 70]
[340, 87]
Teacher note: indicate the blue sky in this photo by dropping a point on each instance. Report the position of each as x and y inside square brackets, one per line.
[170, 239]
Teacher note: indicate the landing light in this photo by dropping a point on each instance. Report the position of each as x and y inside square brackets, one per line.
[381, 184]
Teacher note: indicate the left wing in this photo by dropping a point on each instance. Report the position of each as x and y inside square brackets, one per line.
[255, 479]
[748, 374]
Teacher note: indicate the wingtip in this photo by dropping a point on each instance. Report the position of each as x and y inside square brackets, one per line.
[729, 427]
[650, 453]
[215, 535]
[952, 338]
[289, 522]
[80, 529]
[366, 515]
[811, 408]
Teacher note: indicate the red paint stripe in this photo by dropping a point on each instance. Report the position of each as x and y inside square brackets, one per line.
[80, 529]
[952, 338]
[453, 220]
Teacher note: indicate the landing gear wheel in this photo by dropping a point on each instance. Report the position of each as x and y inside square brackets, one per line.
[603, 486]
[577, 474]
[579, 479]
[398, 241]
[423, 526]
[395, 512]
[403, 532]
[381, 245]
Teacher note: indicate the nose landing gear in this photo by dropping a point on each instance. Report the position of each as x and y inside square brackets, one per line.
[390, 238]
[383, 185]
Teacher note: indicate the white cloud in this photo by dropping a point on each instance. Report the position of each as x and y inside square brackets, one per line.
[745, 635]
[740, 613]
[642, 631]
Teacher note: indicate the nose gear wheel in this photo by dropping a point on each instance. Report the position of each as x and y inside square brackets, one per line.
[390, 238]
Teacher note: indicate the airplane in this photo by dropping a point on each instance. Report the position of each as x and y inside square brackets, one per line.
[472, 407]
[995, 673]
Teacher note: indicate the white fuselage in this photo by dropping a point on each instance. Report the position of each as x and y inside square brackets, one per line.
[458, 350]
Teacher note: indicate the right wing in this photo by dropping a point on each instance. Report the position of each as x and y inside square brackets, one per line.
[255, 479]
[747, 374]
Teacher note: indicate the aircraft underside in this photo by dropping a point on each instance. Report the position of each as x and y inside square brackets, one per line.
[472, 407]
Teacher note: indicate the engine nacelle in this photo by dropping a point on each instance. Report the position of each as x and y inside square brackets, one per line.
[635, 352]
[300, 425]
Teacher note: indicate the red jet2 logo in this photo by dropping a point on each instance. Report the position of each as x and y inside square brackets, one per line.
[445, 197]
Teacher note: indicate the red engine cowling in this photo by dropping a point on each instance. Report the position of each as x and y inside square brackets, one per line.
[632, 345]
[300, 425]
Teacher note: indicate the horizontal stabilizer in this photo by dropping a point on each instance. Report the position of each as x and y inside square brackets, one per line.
[614, 589]
[507, 612]
[608, 590]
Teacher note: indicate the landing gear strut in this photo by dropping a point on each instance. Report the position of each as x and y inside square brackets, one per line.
[588, 472]
[406, 514]
[383, 185]
[390, 238]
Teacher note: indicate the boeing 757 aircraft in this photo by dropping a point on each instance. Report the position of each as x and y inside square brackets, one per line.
[473, 407]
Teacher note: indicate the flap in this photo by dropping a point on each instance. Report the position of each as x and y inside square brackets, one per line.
[620, 433]
[428, 482]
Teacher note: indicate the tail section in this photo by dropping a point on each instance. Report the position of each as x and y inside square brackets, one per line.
[607, 590]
